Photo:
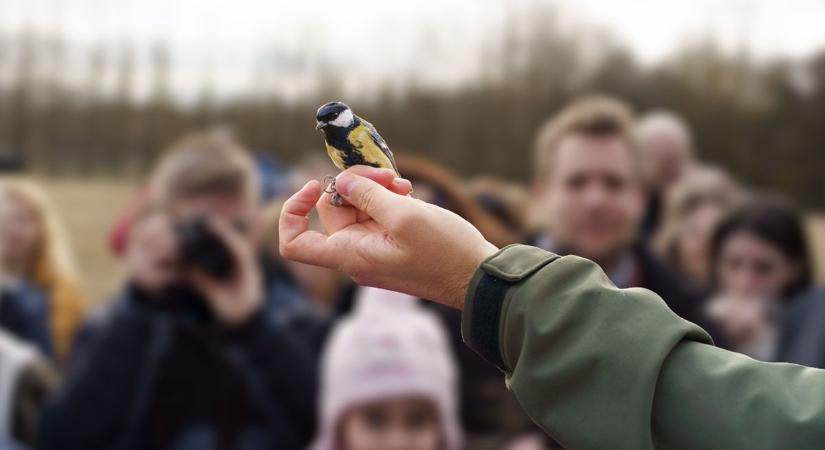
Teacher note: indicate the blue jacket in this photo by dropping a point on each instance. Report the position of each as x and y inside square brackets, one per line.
[24, 313]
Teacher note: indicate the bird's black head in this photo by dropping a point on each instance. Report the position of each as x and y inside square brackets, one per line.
[335, 114]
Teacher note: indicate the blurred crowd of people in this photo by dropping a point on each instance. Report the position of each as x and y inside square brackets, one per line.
[215, 342]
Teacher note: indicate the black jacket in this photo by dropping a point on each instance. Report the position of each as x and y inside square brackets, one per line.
[163, 375]
[802, 336]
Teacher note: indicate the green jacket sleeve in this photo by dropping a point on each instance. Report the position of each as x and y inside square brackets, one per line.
[599, 367]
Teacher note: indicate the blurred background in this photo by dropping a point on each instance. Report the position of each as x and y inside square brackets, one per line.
[93, 93]
[94, 90]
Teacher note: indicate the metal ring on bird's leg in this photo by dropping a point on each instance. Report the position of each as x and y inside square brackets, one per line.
[329, 184]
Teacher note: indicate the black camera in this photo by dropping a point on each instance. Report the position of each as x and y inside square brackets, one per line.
[201, 248]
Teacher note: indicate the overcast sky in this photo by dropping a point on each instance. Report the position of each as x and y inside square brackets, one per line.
[391, 38]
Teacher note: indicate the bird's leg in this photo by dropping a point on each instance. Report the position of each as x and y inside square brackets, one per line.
[329, 188]
[329, 184]
[336, 200]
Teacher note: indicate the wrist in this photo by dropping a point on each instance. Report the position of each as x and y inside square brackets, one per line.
[235, 312]
[455, 296]
[238, 318]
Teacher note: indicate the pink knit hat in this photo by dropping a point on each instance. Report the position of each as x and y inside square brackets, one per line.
[388, 347]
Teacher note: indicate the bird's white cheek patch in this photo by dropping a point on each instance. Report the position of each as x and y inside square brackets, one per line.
[343, 120]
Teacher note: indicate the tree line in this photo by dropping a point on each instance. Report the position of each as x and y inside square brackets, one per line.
[759, 118]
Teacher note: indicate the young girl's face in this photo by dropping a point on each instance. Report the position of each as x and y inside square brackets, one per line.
[404, 423]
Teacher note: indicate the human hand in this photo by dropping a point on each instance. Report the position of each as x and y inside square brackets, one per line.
[747, 321]
[527, 441]
[236, 298]
[384, 238]
[151, 254]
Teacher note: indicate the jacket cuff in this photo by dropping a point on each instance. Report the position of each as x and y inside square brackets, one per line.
[488, 298]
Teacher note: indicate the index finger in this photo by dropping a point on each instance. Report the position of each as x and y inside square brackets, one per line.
[372, 199]
[385, 177]
[295, 240]
[334, 218]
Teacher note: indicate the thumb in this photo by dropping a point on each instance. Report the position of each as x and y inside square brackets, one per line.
[368, 196]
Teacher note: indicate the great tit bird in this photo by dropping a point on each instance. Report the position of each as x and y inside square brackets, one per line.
[351, 140]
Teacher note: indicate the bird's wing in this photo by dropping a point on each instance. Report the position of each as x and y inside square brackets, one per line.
[379, 141]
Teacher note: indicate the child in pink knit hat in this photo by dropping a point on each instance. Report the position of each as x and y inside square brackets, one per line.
[388, 379]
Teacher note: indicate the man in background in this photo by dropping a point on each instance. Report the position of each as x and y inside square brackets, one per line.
[666, 147]
[590, 191]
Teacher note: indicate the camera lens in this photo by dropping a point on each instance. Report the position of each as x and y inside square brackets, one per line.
[202, 249]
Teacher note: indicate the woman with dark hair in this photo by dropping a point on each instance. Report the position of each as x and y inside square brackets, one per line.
[760, 263]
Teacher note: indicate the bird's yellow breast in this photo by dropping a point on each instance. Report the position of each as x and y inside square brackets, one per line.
[361, 139]
[337, 157]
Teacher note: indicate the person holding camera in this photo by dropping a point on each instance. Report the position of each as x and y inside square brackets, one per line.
[191, 356]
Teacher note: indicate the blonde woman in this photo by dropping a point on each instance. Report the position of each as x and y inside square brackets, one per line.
[34, 251]
[693, 208]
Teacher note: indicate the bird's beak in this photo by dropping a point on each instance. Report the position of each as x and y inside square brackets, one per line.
[320, 125]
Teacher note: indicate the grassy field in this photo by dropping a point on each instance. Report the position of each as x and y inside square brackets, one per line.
[89, 208]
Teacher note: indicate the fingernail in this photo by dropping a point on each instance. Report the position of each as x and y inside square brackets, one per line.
[402, 182]
[343, 184]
